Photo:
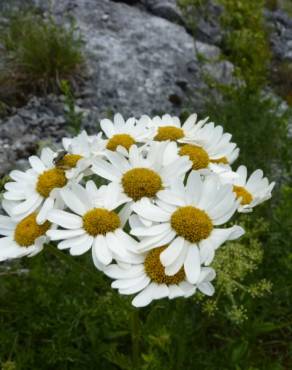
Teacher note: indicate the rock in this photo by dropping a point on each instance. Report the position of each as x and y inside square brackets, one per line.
[21, 133]
[280, 26]
[134, 69]
[209, 52]
[206, 22]
[167, 9]
[138, 60]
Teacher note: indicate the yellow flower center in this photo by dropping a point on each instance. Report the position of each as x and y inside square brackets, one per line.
[197, 155]
[49, 180]
[191, 223]
[69, 161]
[124, 140]
[99, 221]
[222, 160]
[242, 193]
[155, 270]
[169, 133]
[141, 182]
[27, 230]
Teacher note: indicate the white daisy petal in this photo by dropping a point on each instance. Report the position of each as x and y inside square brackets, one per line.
[192, 264]
[36, 164]
[175, 291]
[107, 127]
[116, 272]
[160, 291]
[150, 211]
[74, 241]
[73, 202]
[43, 213]
[156, 241]
[171, 198]
[127, 283]
[140, 284]
[207, 251]
[152, 230]
[206, 288]
[31, 203]
[178, 263]
[105, 170]
[101, 250]
[6, 232]
[145, 297]
[65, 219]
[193, 188]
[219, 236]
[171, 253]
[6, 223]
[78, 249]
[64, 234]
[187, 288]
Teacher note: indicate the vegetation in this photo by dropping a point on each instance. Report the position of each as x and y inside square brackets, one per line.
[37, 54]
[59, 313]
[73, 118]
[259, 126]
[246, 42]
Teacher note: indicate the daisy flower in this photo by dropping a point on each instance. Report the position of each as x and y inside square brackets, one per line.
[79, 152]
[170, 128]
[252, 191]
[85, 145]
[38, 187]
[21, 238]
[140, 175]
[121, 133]
[150, 281]
[186, 219]
[93, 222]
[214, 153]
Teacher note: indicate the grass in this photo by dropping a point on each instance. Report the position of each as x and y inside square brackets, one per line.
[38, 53]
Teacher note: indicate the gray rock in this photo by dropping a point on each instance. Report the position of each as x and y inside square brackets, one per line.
[280, 26]
[138, 60]
[209, 52]
[167, 9]
[21, 133]
[206, 22]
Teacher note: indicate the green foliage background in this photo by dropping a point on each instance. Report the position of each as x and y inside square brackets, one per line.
[59, 313]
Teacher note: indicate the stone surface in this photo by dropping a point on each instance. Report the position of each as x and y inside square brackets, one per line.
[206, 21]
[21, 134]
[281, 34]
[167, 9]
[139, 59]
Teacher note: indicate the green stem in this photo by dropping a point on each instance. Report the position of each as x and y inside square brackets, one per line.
[135, 332]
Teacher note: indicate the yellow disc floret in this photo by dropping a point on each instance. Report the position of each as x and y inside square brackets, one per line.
[124, 140]
[155, 270]
[191, 223]
[69, 161]
[222, 160]
[99, 221]
[27, 230]
[49, 180]
[141, 182]
[242, 193]
[197, 155]
[169, 133]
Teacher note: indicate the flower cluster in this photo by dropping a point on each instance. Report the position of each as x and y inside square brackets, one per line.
[148, 197]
